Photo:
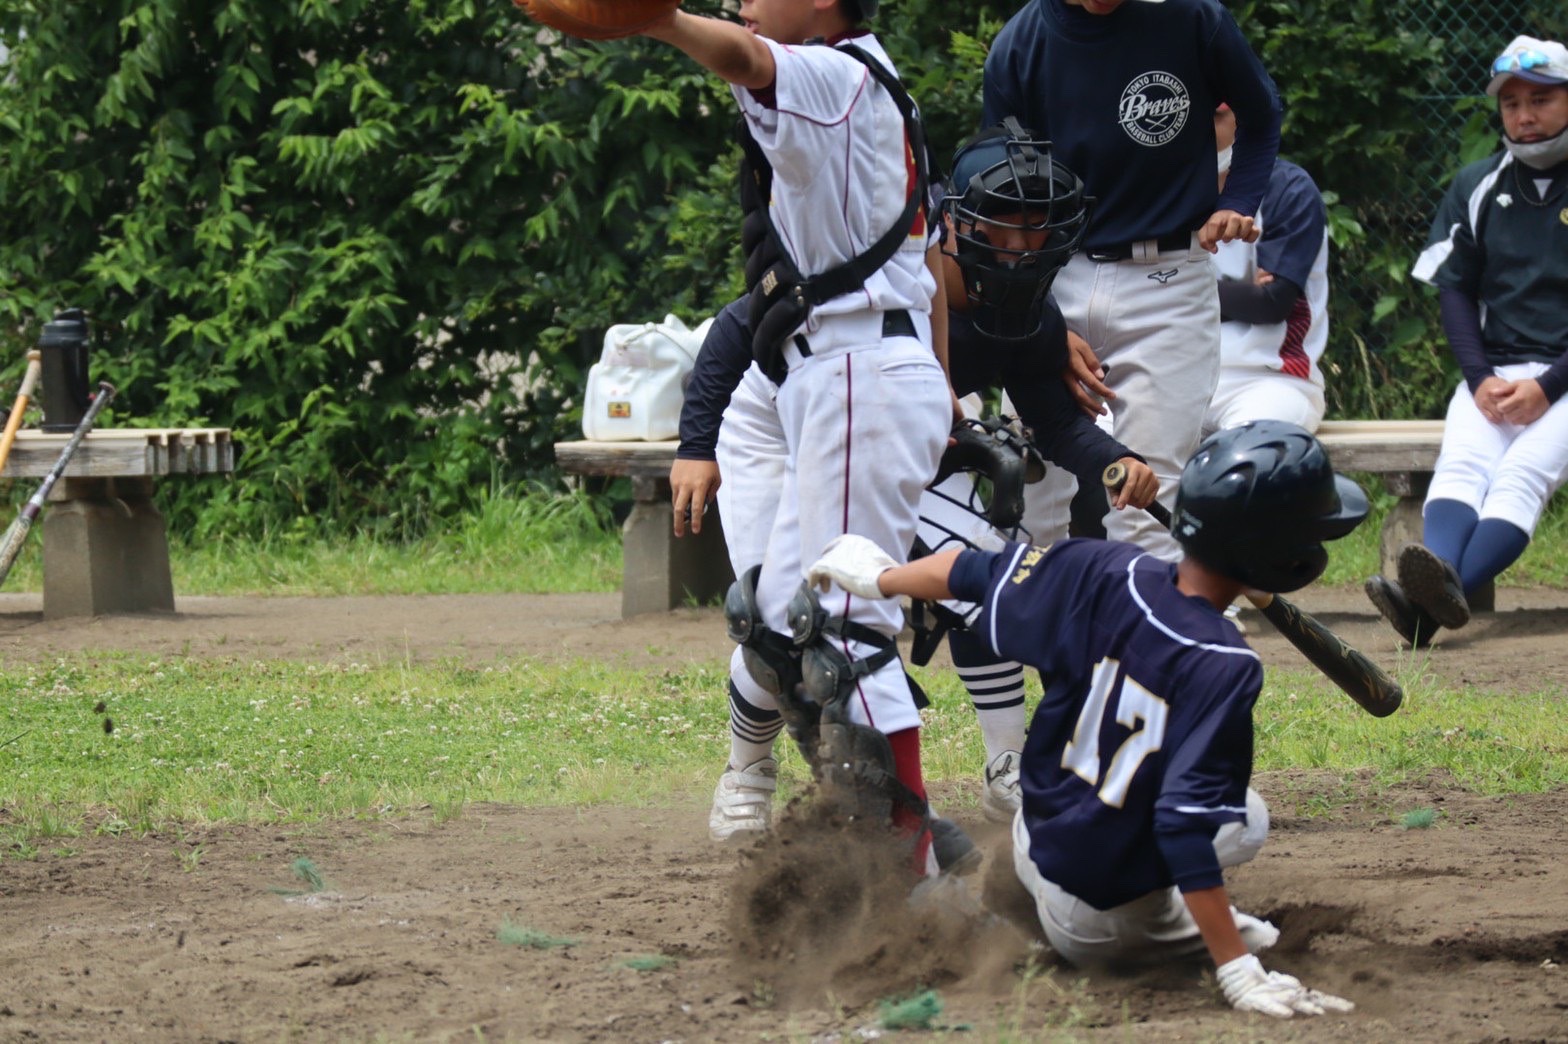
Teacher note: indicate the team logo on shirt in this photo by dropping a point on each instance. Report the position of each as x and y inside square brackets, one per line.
[1154, 108]
[1562, 215]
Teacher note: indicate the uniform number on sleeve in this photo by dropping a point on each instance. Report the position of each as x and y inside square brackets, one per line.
[1137, 709]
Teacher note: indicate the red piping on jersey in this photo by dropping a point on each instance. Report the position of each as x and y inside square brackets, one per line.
[1293, 357]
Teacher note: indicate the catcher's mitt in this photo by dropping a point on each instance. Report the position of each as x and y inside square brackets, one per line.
[598, 19]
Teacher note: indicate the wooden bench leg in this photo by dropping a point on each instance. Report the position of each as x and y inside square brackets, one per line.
[660, 572]
[1403, 526]
[106, 550]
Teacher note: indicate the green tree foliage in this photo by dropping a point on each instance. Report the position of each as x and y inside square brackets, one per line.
[382, 240]
[377, 238]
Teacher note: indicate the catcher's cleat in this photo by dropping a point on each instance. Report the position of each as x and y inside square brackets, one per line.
[743, 801]
[1001, 798]
[1410, 621]
[955, 852]
[1433, 585]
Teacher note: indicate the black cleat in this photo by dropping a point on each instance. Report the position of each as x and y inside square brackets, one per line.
[1410, 621]
[1433, 585]
[955, 853]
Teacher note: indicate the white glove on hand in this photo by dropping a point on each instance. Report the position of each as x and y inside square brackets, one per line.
[853, 563]
[1249, 988]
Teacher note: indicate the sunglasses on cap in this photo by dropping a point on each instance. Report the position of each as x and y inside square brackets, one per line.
[1518, 61]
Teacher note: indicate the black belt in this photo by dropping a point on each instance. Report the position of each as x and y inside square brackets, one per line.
[1123, 251]
[897, 323]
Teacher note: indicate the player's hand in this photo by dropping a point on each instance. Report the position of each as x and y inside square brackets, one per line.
[1085, 377]
[853, 563]
[1263, 278]
[1140, 488]
[1224, 226]
[1523, 402]
[692, 485]
[1249, 988]
[1487, 396]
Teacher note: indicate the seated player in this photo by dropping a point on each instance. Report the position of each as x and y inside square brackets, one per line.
[1136, 771]
[1273, 302]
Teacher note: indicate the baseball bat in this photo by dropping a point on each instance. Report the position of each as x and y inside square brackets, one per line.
[16, 535]
[13, 423]
[1359, 678]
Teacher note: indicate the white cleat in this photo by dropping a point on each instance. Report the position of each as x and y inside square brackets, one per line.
[743, 800]
[1001, 798]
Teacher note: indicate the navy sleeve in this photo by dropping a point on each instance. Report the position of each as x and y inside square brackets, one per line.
[1294, 223]
[1244, 302]
[1191, 859]
[721, 362]
[971, 574]
[1555, 380]
[1245, 86]
[1207, 767]
[1462, 324]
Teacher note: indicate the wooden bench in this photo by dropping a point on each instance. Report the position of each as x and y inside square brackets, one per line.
[661, 572]
[658, 571]
[105, 543]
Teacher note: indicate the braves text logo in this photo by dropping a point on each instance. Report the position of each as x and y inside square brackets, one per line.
[1154, 108]
[1162, 277]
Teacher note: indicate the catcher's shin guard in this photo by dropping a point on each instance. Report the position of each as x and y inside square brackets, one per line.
[853, 763]
[774, 662]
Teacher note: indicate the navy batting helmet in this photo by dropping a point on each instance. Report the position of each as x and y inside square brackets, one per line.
[1257, 501]
[1015, 217]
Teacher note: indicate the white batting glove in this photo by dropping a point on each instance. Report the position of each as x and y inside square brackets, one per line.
[853, 563]
[1249, 988]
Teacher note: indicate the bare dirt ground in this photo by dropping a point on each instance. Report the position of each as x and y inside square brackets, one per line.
[1455, 933]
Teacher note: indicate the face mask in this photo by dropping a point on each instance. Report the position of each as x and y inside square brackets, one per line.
[1224, 155]
[1540, 155]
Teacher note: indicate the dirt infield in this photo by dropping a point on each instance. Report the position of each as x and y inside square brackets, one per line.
[1453, 933]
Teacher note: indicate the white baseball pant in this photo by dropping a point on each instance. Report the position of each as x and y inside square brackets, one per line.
[1503, 471]
[1153, 928]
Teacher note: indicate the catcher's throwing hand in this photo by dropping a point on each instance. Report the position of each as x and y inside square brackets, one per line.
[599, 19]
[692, 485]
[853, 563]
[1249, 988]
[1085, 377]
[1140, 488]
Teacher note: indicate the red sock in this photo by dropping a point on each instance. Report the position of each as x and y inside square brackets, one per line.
[906, 765]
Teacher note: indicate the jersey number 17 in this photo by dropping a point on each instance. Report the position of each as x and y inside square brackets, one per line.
[1137, 709]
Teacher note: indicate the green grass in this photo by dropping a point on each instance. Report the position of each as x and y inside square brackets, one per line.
[533, 543]
[226, 740]
[513, 543]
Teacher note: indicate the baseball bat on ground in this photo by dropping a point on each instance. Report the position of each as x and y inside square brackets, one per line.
[16, 535]
[1360, 678]
[13, 423]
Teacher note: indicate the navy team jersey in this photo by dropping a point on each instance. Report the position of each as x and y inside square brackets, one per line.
[1127, 100]
[1141, 747]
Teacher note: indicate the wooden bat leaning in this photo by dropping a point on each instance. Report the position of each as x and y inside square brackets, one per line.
[14, 422]
[1360, 678]
[16, 535]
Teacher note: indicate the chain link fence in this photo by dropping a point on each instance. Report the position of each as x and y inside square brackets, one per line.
[1460, 120]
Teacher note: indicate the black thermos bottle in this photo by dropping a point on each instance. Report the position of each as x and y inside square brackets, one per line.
[63, 347]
